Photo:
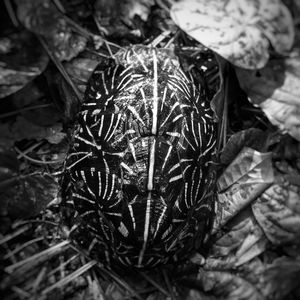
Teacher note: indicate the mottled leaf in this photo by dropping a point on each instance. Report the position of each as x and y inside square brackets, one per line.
[20, 62]
[277, 211]
[242, 182]
[239, 31]
[276, 90]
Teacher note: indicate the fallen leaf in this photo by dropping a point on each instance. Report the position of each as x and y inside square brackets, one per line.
[277, 211]
[43, 18]
[197, 295]
[227, 285]
[241, 183]
[241, 241]
[23, 196]
[113, 15]
[276, 90]
[22, 62]
[281, 278]
[9, 164]
[253, 138]
[80, 70]
[23, 129]
[239, 31]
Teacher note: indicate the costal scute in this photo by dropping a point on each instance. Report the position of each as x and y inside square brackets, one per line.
[139, 166]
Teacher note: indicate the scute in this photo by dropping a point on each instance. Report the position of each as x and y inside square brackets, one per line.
[139, 166]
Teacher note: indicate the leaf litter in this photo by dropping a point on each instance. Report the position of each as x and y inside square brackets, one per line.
[253, 251]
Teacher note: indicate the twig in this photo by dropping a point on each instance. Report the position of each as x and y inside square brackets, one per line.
[28, 150]
[160, 38]
[11, 13]
[38, 221]
[59, 6]
[224, 122]
[36, 161]
[168, 283]
[12, 113]
[60, 67]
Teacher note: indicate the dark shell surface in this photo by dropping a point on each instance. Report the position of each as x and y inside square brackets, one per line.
[139, 166]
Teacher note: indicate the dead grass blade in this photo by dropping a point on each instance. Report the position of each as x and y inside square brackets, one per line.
[70, 277]
[155, 284]
[18, 232]
[34, 260]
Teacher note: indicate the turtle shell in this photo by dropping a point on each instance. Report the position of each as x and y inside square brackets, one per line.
[138, 168]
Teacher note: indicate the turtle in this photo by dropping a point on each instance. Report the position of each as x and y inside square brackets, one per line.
[139, 171]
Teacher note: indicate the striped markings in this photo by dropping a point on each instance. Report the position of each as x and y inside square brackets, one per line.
[190, 136]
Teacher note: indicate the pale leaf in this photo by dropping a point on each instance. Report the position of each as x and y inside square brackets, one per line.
[239, 31]
[277, 211]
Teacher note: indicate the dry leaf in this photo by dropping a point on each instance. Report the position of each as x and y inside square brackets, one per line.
[281, 278]
[252, 137]
[227, 285]
[23, 129]
[241, 183]
[276, 90]
[277, 211]
[239, 31]
[242, 241]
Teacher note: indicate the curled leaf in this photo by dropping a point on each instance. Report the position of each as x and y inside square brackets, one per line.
[239, 31]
